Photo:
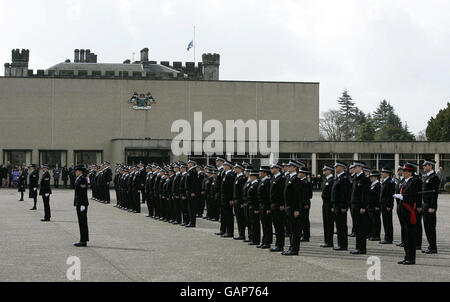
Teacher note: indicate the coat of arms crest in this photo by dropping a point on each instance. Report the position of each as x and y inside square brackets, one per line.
[142, 101]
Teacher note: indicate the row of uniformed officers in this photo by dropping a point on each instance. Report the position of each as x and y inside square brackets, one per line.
[280, 196]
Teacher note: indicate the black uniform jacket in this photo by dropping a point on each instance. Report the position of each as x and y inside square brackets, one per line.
[81, 192]
[45, 184]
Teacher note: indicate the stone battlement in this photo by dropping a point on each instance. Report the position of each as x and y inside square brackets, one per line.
[85, 66]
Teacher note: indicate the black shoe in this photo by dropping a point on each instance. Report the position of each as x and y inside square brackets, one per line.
[276, 249]
[358, 252]
[148, 216]
[175, 223]
[326, 245]
[220, 234]
[352, 235]
[259, 246]
[265, 246]
[21, 200]
[385, 242]
[401, 244]
[33, 209]
[247, 240]
[252, 243]
[45, 220]
[409, 262]
[190, 226]
[401, 262]
[428, 251]
[290, 253]
[375, 239]
[304, 239]
[227, 236]
[80, 244]
[340, 249]
[239, 238]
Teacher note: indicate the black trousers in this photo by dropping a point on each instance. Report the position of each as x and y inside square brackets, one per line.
[429, 224]
[201, 204]
[266, 223]
[328, 224]
[240, 218]
[342, 228]
[248, 221]
[360, 221]
[305, 223]
[227, 218]
[65, 183]
[279, 219]
[156, 204]
[47, 211]
[410, 237]
[295, 226]
[387, 224]
[419, 231]
[107, 196]
[353, 222]
[256, 226]
[192, 210]
[56, 183]
[374, 223]
[83, 224]
[402, 230]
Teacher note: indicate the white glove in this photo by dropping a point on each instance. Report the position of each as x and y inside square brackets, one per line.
[398, 196]
[34, 189]
[47, 195]
[82, 208]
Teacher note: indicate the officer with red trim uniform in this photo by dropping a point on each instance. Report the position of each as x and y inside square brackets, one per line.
[409, 197]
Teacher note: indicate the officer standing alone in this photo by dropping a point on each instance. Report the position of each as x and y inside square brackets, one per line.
[81, 204]
[45, 192]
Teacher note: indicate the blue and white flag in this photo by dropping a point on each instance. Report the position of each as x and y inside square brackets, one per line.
[191, 45]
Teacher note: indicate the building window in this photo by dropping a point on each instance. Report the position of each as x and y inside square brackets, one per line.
[444, 162]
[17, 157]
[53, 158]
[408, 157]
[370, 160]
[88, 157]
[134, 157]
[386, 161]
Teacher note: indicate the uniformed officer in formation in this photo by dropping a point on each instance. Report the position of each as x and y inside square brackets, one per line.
[430, 191]
[359, 203]
[277, 206]
[101, 179]
[238, 199]
[409, 197]
[374, 207]
[387, 191]
[340, 200]
[327, 213]
[264, 207]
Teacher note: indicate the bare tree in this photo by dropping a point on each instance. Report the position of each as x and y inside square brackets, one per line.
[421, 136]
[330, 126]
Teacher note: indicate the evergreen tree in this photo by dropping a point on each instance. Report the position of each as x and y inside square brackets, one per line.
[439, 127]
[347, 111]
[382, 114]
[366, 132]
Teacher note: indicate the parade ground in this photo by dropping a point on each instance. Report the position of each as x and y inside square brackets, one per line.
[131, 247]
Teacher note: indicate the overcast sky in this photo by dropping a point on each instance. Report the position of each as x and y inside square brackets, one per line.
[394, 50]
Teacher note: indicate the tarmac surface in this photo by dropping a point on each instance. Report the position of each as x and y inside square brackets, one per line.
[131, 247]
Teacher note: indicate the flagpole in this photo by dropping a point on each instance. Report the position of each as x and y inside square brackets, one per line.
[195, 45]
